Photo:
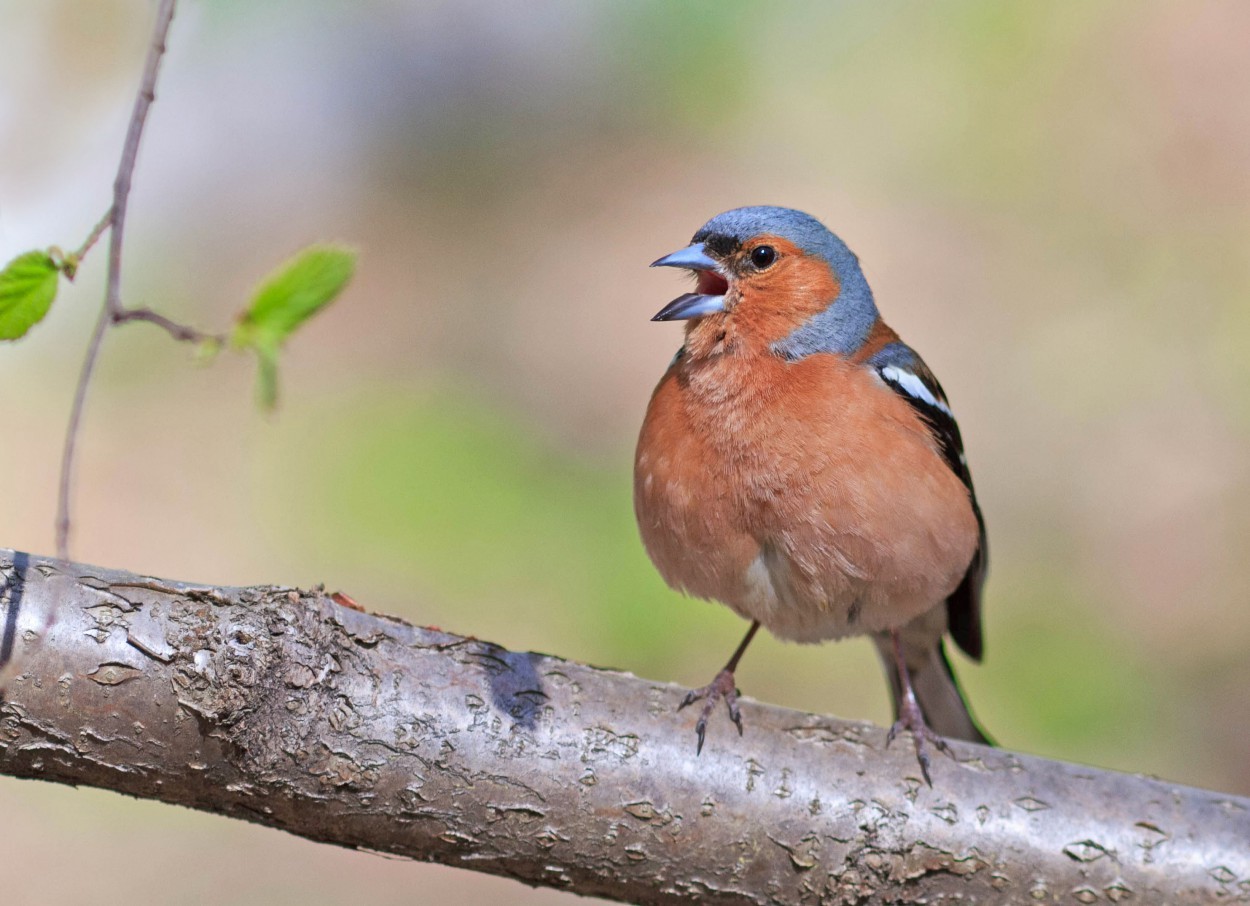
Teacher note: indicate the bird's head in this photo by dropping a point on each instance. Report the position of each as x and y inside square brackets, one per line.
[774, 277]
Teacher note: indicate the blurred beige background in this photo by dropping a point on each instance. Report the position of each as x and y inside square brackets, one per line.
[1051, 201]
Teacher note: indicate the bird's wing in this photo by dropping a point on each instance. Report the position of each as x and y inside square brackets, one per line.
[906, 374]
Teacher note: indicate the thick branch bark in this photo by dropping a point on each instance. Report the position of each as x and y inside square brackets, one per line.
[283, 708]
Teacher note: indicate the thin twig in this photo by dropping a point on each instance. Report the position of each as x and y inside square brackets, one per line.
[180, 332]
[71, 433]
[96, 232]
[130, 151]
[112, 296]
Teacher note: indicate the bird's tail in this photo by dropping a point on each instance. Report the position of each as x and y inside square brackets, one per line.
[937, 691]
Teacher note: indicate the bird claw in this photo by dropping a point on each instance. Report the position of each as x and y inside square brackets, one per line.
[722, 687]
[734, 714]
[912, 720]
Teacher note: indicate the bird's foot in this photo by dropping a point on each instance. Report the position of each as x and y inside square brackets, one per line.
[911, 720]
[722, 687]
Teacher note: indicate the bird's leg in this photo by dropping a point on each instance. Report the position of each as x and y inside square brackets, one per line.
[910, 717]
[722, 686]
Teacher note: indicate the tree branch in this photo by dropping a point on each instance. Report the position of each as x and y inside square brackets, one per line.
[130, 152]
[71, 264]
[281, 707]
[116, 221]
[180, 332]
[69, 446]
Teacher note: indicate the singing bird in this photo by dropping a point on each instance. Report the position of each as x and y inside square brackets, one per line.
[799, 463]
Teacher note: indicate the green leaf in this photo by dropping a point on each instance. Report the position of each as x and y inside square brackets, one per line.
[287, 298]
[206, 350]
[27, 288]
[292, 295]
[267, 378]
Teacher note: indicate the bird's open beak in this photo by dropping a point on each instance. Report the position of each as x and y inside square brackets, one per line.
[710, 297]
[693, 257]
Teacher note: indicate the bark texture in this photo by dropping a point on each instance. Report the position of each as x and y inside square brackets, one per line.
[281, 707]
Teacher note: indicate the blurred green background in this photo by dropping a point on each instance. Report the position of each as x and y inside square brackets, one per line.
[1052, 202]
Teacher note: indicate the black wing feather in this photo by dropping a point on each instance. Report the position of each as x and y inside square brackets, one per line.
[963, 607]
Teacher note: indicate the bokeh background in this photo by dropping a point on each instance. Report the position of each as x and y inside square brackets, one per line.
[1052, 202]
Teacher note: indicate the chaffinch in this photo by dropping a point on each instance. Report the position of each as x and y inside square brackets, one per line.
[799, 463]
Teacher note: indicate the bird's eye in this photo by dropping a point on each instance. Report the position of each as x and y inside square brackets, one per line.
[763, 255]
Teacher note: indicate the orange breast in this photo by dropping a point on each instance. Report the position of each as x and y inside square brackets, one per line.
[804, 494]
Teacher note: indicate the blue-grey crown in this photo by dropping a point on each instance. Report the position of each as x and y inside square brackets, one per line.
[844, 325]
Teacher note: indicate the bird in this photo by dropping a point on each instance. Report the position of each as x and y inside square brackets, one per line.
[799, 463]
